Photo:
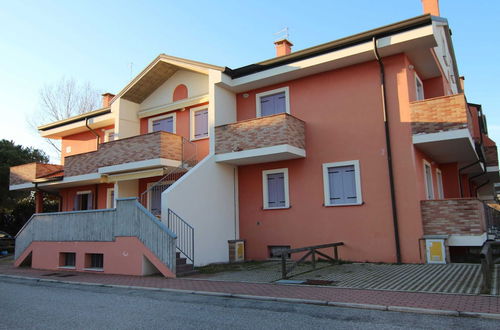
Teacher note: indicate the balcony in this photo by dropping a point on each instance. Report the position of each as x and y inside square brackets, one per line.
[443, 129]
[260, 140]
[464, 221]
[135, 153]
[28, 173]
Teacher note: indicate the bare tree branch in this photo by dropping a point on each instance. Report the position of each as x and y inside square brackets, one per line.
[64, 99]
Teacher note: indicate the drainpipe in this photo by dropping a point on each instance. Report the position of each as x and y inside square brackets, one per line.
[93, 132]
[389, 152]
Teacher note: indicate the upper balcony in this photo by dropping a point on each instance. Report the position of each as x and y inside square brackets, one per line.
[135, 153]
[153, 151]
[260, 140]
[32, 172]
[443, 129]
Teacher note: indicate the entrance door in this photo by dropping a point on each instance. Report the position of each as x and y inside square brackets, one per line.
[435, 251]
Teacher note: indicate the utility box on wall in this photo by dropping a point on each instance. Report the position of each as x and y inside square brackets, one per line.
[236, 250]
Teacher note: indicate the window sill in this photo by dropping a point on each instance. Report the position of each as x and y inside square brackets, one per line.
[94, 269]
[198, 139]
[67, 267]
[276, 208]
[335, 205]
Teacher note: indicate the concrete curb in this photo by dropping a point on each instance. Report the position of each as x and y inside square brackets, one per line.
[403, 309]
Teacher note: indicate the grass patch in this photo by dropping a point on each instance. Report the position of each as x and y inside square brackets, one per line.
[219, 268]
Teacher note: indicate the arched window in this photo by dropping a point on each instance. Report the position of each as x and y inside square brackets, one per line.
[180, 93]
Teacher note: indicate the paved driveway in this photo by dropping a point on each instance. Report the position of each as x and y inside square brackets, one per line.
[450, 278]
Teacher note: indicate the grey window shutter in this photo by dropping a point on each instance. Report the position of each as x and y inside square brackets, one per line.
[276, 190]
[75, 203]
[342, 185]
[267, 105]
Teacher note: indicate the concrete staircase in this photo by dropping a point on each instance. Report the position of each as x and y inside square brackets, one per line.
[182, 268]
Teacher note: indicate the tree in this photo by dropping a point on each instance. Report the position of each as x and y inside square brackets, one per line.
[64, 99]
[16, 206]
[12, 155]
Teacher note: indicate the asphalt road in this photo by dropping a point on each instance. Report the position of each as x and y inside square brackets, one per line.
[27, 304]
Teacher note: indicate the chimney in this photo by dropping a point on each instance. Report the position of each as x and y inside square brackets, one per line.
[106, 99]
[462, 83]
[431, 7]
[283, 47]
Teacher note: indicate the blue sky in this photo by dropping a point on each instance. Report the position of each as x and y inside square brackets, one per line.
[42, 41]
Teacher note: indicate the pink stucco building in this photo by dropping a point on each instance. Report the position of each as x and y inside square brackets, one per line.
[369, 140]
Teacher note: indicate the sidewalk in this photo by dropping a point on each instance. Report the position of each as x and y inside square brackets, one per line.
[431, 303]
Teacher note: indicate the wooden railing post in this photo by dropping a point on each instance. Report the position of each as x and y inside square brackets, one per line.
[313, 258]
[335, 253]
[283, 265]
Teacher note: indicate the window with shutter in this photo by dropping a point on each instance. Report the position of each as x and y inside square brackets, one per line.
[164, 123]
[200, 124]
[275, 189]
[272, 102]
[342, 183]
[429, 188]
[83, 201]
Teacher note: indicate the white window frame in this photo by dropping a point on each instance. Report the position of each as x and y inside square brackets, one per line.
[88, 192]
[265, 192]
[426, 163]
[107, 132]
[417, 79]
[439, 181]
[258, 96]
[326, 183]
[193, 111]
[110, 203]
[150, 121]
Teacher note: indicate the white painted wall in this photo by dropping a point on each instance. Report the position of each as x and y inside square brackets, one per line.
[205, 198]
[196, 83]
[443, 55]
[127, 123]
[221, 107]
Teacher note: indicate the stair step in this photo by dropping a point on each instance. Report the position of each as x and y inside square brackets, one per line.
[180, 261]
[187, 273]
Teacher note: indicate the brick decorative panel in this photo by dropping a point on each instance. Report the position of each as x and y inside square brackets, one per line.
[259, 133]
[133, 149]
[440, 114]
[491, 156]
[29, 172]
[453, 216]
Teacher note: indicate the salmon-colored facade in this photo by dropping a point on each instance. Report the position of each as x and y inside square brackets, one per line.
[348, 141]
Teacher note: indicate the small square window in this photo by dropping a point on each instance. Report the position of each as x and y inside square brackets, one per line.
[275, 251]
[67, 259]
[275, 189]
[94, 261]
[83, 201]
[342, 184]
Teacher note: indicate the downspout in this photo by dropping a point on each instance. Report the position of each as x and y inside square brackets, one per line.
[389, 152]
[93, 132]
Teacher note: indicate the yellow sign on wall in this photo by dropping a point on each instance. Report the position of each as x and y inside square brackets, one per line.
[435, 251]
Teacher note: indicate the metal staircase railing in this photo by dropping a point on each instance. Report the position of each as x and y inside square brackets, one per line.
[151, 197]
[184, 232]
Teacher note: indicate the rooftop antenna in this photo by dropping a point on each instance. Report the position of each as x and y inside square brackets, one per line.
[283, 34]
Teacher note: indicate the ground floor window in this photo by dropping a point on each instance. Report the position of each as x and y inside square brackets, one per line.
[275, 189]
[276, 250]
[83, 201]
[67, 259]
[94, 260]
[342, 185]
